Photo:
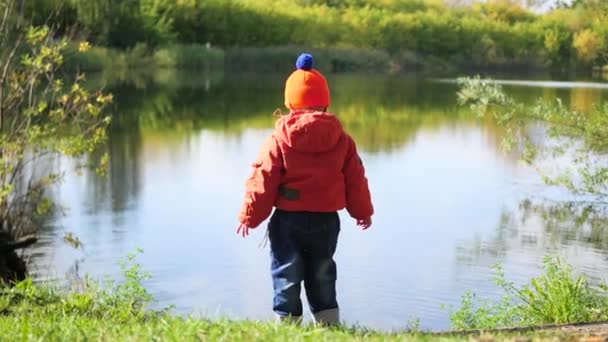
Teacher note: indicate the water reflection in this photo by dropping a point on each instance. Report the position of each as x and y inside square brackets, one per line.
[382, 113]
[181, 145]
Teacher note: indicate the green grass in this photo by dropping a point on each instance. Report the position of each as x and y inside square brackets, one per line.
[37, 314]
[119, 311]
[558, 296]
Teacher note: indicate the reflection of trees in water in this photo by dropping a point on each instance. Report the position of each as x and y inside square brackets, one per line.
[494, 249]
[30, 191]
[382, 112]
[120, 186]
[42, 225]
[568, 222]
[579, 98]
[543, 225]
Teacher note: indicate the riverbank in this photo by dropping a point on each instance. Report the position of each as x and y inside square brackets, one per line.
[120, 310]
[33, 313]
[280, 58]
[247, 59]
[494, 32]
[96, 58]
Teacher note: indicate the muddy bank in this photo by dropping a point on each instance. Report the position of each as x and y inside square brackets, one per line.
[571, 332]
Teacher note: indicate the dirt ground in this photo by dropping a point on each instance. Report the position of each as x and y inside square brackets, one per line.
[584, 332]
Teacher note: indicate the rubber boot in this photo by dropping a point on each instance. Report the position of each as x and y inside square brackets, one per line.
[330, 317]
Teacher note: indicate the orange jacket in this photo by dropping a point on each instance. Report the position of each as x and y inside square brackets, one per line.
[308, 164]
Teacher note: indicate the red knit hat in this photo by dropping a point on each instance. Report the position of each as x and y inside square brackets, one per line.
[306, 87]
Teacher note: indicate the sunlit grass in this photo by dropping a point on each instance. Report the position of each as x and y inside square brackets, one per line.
[118, 311]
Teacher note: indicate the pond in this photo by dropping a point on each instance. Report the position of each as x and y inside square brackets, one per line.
[450, 204]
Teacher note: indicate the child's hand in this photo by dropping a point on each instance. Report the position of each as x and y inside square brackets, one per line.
[364, 224]
[243, 230]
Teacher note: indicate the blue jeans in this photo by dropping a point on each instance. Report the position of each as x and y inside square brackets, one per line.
[302, 246]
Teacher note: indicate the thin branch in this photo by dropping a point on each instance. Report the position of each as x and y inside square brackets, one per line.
[21, 9]
[24, 162]
[3, 78]
[7, 10]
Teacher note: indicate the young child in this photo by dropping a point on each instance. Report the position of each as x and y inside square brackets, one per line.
[308, 169]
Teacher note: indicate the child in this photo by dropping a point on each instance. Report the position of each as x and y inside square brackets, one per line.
[308, 169]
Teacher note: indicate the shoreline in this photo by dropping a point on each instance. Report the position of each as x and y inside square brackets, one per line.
[280, 58]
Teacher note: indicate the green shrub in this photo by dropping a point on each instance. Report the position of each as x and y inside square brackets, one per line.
[94, 59]
[557, 296]
[485, 34]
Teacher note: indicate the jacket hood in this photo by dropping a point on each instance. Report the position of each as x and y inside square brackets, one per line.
[309, 132]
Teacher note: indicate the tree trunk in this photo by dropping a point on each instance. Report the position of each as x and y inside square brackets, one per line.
[12, 266]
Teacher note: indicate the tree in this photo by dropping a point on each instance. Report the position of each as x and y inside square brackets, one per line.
[588, 45]
[570, 151]
[41, 117]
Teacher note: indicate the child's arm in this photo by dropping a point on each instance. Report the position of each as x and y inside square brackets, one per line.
[358, 198]
[262, 186]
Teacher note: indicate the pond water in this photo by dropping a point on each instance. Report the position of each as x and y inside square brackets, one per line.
[450, 204]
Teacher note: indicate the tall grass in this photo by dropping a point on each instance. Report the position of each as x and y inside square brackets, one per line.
[557, 296]
[193, 56]
[282, 59]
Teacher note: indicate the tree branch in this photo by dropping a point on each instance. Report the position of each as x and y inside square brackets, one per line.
[7, 10]
[3, 78]
[23, 242]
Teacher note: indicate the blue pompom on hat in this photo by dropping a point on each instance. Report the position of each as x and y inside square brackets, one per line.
[306, 87]
[304, 62]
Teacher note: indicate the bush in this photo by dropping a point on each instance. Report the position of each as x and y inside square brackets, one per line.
[557, 296]
[486, 34]
[94, 59]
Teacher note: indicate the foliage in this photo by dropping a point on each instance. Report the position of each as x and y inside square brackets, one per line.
[119, 302]
[41, 117]
[490, 34]
[107, 22]
[588, 45]
[570, 147]
[557, 296]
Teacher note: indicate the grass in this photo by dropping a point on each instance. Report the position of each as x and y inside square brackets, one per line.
[192, 56]
[558, 296]
[68, 327]
[119, 311]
